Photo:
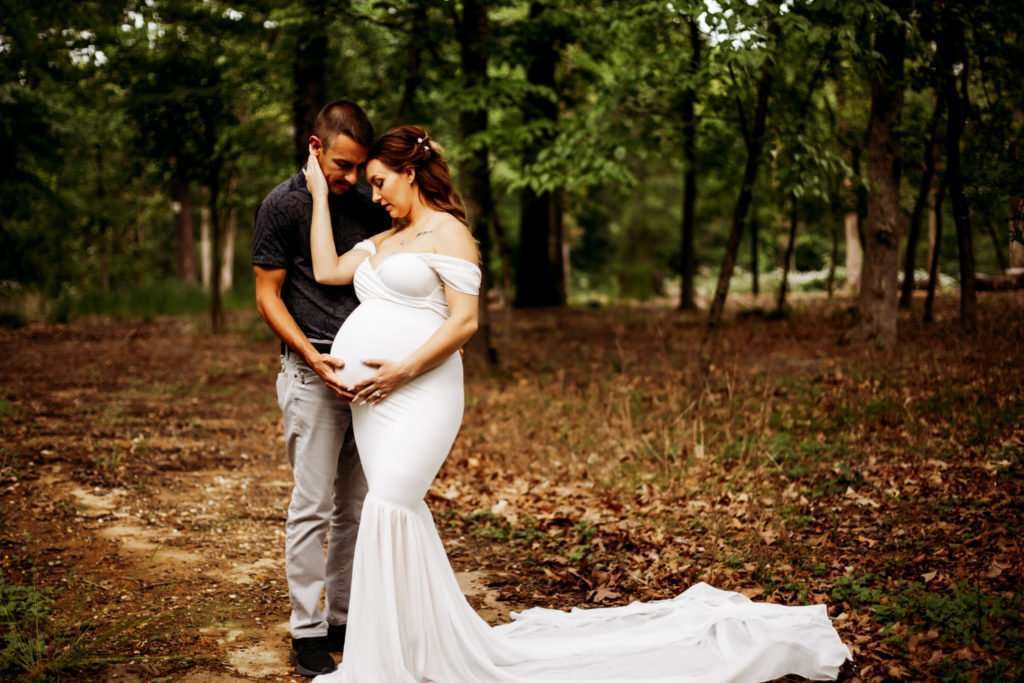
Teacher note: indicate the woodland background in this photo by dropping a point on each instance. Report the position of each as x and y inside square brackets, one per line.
[754, 315]
[607, 150]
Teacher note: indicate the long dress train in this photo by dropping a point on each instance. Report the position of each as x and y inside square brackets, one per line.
[408, 620]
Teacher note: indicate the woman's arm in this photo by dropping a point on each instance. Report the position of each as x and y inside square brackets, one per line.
[328, 267]
[452, 239]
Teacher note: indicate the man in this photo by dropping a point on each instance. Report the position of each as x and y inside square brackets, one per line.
[328, 481]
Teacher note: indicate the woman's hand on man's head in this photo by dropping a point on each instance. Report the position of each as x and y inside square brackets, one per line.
[316, 183]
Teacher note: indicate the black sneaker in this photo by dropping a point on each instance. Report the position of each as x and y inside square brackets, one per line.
[310, 656]
[336, 637]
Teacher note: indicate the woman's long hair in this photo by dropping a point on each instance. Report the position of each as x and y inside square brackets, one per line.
[412, 147]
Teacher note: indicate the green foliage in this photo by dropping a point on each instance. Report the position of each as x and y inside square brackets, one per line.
[584, 533]
[961, 614]
[104, 104]
[145, 301]
[37, 648]
[24, 611]
[487, 525]
[22, 603]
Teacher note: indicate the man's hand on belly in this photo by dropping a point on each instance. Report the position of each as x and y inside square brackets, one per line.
[326, 367]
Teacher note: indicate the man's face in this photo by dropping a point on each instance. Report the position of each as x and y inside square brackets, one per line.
[340, 162]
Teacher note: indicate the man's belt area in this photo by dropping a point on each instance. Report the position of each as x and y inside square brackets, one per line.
[322, 347]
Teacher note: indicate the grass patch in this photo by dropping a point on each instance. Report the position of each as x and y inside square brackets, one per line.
[584, 534]
[857, 591]
[884, 411]
[37, 647]
[796, 518]
[736, 450]
[962, 614]
[989, 418]
[487, 525]
[800, 458]
[24, 613]
[144, 302]
[151, 299]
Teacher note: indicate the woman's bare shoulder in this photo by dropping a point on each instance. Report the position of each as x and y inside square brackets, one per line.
[452, 237]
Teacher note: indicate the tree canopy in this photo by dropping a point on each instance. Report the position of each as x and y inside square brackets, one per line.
[621, 149]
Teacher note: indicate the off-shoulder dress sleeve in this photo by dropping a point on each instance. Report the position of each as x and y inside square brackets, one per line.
[457, 273]
[365, 245]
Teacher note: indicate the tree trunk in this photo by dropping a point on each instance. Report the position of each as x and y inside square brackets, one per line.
[936, 249]
[801, 126]
[739, 217]
[951, 51]
[850, 216]
[1015, 218]
[927, 176]
[227, 268]
[933, 218]
[205, 246]
[185, 244]
[210, 234]
[854, 227]
[837, 218]
[505, 251]
[310, 73]
[755, 257]
[216, 305]
[561, 245]
[990, 228]
[862, 208]
[687, 301]
[1016, 222]
[854, 253]
[780, 304]
[107, 259]
[105, 234]
[539, 273]
[407, 109]
[474, 37]
[879, 287]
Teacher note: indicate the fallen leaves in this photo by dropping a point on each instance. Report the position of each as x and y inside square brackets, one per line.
[803, 465]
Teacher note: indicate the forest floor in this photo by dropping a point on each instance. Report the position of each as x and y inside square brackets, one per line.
[144, 484]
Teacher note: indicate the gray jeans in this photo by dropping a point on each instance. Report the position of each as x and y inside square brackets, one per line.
[327, 493]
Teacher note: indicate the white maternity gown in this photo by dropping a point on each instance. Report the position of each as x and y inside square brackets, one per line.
[408, 621]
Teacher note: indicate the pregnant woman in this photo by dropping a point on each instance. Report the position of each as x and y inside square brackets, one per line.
[408, 621]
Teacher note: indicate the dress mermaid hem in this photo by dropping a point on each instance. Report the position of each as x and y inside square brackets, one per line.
[410, 623]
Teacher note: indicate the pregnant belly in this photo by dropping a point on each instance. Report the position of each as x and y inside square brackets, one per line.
[380, 330]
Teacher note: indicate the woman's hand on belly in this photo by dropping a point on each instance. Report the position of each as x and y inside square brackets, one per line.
[390, 376]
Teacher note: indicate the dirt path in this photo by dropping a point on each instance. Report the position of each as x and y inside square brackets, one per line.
[156, 483]
[144, 485]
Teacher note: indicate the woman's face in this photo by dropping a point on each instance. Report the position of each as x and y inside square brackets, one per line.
[393, 190]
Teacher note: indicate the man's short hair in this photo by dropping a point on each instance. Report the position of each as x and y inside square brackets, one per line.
[345, 117]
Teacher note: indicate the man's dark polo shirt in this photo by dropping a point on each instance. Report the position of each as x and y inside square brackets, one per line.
[281, 240]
